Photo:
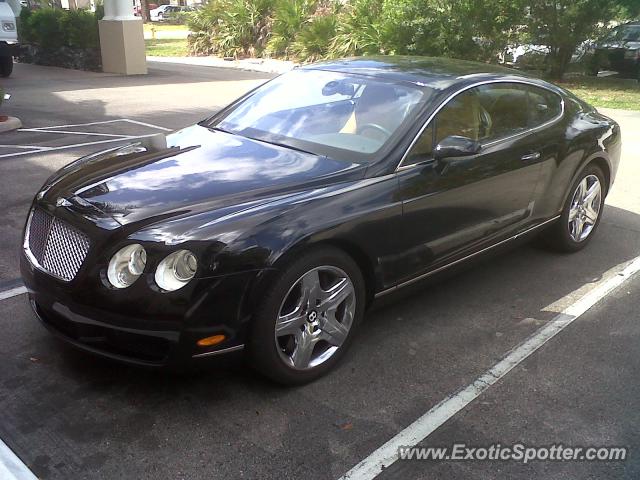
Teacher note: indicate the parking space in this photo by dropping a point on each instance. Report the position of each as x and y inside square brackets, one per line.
[28, 141]
[69, 415]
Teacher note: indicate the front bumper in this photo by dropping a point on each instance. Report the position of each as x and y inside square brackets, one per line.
[88, 322]
[9, 49]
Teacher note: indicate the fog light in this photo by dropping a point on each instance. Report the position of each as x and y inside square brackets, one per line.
[210, 341]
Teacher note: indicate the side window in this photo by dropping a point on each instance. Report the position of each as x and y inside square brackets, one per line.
[486, 113]
[506, 105]
[543, 106]
[423, 147]
[463, 116]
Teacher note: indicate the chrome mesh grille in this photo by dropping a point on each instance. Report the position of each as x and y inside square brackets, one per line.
[55, 246]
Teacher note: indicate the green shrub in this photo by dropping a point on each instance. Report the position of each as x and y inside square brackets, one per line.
[312, 29]
[313, 41]
[202, 24]
[25, 33]
[289, 18]
[81, 29]
[359, 30]
[54, 28]
[45, 27]
[231, 28]
[179, 18]
[99, 13]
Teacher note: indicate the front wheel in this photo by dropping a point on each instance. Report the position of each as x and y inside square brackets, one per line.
[6, 66]
[581, 214]
[307, 318]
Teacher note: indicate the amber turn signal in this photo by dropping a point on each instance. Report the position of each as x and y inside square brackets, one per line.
[210, 341]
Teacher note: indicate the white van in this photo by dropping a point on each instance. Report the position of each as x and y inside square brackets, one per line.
[9, 9]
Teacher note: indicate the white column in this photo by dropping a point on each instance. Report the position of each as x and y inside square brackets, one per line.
[122, 39]
[119, 10]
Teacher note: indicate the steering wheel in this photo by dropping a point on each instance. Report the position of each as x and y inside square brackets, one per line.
[375, 126]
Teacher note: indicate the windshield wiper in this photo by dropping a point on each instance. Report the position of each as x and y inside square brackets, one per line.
[218, 129]
[283, 145]
[262, 140]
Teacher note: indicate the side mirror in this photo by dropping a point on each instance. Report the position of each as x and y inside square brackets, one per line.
[455, 146]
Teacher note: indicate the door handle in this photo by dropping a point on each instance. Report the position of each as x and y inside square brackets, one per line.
[530, 156]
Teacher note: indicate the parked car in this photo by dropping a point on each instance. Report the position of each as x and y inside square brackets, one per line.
[619, 51]
[530, 57]
[273, 225]
[163, 12]
[137, 8]
[8, 39]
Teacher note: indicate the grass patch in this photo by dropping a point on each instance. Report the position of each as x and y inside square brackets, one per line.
[167, 47]
[606, 92]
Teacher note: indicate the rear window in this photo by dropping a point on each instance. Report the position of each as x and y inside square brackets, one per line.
[625, 33]
[543, 106]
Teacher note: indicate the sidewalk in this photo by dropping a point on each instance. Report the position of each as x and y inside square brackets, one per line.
[264, 65]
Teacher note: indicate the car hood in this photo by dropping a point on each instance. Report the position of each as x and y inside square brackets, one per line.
[199, 170]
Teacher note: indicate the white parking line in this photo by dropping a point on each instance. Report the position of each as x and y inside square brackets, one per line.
[32, 149]
[128, 120]
[387, 454]
[76, 145]
[12, 292]
[11, 467]
[25, 147]
[150, 125]
[69, 132]
[80, 124]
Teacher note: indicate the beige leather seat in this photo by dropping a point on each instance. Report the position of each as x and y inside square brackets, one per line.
[462, 116]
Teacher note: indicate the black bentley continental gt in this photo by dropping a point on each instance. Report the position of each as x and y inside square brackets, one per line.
[271, 226]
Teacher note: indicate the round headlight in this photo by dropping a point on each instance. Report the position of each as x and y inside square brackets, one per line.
[176, 270]
[127, 265]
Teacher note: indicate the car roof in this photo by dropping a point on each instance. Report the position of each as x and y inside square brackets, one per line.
[434, 72]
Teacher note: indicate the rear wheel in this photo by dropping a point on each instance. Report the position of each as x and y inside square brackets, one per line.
[307, 318]
[581, 214]
[6, 65]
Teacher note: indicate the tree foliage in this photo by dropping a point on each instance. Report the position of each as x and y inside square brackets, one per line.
[562, 25]
[467, 29]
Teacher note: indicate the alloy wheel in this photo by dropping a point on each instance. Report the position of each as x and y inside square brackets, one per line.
[315, 317]
[585, 208]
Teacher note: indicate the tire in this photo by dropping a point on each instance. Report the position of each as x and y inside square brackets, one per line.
[564, 236]
[298, 351]
[6, 66]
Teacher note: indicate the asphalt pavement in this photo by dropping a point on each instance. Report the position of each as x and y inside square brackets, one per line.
[69, 415]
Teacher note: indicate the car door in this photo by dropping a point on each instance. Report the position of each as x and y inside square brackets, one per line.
[451, 208]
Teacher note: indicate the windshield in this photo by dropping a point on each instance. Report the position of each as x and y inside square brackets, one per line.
[627, 33]
[327, 113]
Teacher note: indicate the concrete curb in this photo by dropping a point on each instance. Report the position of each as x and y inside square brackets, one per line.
[11, 123]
